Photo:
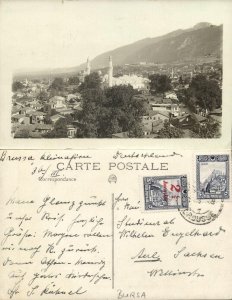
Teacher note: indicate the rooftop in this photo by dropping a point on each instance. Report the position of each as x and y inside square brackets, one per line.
[38, 113]
[121, 135]
[198, 118]
[164, 113]
[216, 111]
[43, 126]
[56, 98]
[57, 116]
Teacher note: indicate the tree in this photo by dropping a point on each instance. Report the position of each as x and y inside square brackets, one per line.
[17, 85]
[114, 110]
[207, 93]
[47, 119]
[91, 81]
[126, 109]
[43, 96]
[119, 96]
[108, 123]
[89, 116]
[209, 130]
[60, 129]
[89, 120]
[74, 80]
[92, 99]
[136, 130]
[215, 75]
[57, 84]
[159, 83]
[169, 131]
[49, 112]
[23, 133]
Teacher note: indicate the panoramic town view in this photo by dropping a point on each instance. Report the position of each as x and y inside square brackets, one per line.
[165, 87]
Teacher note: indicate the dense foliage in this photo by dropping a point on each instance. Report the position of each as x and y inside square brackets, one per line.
[60, 128]
[209, 130]
[17, 85]
[159, 83]
[92, 81]
[74, 80]
[202, 92]
[109, 111]
[57, 84]
[169, 131]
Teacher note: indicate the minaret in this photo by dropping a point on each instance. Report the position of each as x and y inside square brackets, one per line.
[191, 75]
[87, 70]
[172, 74]
[110, 72]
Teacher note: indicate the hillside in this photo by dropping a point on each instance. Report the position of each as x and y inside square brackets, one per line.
[188, 45]
[193, 45]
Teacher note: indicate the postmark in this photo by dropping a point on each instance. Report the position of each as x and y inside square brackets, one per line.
[202, 212]
[165, 192]
[212, 176]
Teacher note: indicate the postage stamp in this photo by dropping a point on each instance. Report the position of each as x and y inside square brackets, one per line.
[212, 176]
[165, 192]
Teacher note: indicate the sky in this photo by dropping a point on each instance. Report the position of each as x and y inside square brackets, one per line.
[207, 169]
[47, 34]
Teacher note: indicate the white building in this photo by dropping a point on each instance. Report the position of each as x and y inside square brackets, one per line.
[57, 102]
[165, 107]
[137, 82]
[171, 95]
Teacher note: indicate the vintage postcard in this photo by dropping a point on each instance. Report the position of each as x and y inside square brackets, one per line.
[115, 149]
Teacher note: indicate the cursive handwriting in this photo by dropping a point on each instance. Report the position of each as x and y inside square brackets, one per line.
[144, 155]
[161, 272]
[144, 256]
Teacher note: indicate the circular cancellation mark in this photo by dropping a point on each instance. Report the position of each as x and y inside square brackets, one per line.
[202, 212]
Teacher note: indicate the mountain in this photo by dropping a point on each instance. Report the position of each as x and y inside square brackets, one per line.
[202, 40]
[201, 25]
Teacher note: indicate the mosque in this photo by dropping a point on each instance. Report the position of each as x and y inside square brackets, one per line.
[137, 82]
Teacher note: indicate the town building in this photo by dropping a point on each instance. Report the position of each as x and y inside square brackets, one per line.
[137, 82]
[57, 102]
